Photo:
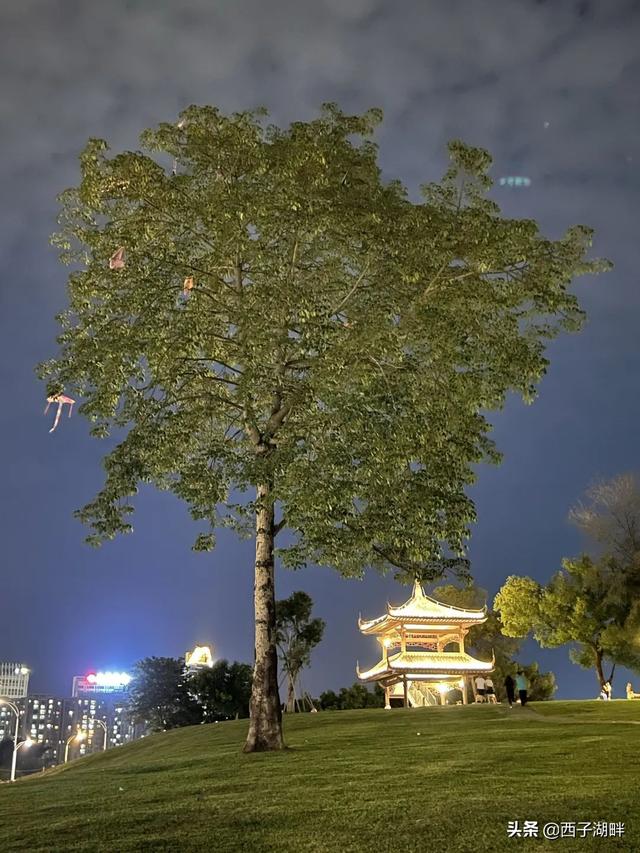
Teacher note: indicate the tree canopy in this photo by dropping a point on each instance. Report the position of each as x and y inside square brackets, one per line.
[586, 605]
[593, 602]
[159, 695]
[352, 698]
[282, 338]
[165, 696]
[222, 691]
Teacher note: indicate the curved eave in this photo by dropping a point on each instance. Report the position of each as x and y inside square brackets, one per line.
[446, 663]
[439, 612]
[372, 626]
[389, 622]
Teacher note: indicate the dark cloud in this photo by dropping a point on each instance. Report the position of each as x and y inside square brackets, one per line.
[550, 88]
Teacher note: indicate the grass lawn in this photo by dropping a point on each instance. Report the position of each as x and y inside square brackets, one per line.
[432, 779]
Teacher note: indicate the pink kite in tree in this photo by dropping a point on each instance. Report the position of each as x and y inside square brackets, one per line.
[61, 400]
[188, 285]
[116, 261]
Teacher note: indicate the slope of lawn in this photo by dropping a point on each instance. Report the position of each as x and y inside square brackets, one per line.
[433, 779]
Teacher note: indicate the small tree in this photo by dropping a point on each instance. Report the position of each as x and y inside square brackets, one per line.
[296, 635]
[159, 695]
[586, 604]
[277, 320]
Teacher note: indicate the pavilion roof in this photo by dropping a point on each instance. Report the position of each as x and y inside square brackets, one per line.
[422, 610]
[426, 663]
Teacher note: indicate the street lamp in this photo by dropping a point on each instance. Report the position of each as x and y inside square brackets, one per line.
[27, 742]
[104, 729]
[14, 757]
[79, 736]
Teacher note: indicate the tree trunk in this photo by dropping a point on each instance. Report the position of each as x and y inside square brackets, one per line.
[291, 696]
[599, 670]
[265, 724]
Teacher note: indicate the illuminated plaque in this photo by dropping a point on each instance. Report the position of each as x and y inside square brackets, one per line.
[101, 682]
[199, 658]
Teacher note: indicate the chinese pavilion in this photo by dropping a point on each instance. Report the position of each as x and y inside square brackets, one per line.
[423, 655]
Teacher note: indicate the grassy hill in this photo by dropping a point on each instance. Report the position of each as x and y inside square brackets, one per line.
[433, 779]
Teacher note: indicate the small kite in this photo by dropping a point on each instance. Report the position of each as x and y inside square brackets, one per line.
[116, 261]
[61, 400]
[188, 285]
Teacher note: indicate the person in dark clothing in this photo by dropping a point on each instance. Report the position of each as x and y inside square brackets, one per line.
[510, 687]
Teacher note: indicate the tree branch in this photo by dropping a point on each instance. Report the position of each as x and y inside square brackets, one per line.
[355, 287]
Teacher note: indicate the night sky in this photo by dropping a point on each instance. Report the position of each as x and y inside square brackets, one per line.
[550, 88]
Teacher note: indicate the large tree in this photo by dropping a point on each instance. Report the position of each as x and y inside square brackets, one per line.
[288, 340]
[297, 634]
[586, 604]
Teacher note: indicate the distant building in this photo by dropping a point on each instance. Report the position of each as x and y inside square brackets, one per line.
[52, 720]
[14, 680]
[44, 724]
[100, 699]
[8, 719]
[89, 714]
[99, 703]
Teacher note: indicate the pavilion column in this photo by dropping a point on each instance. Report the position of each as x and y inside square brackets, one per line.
[406, 691]
[465, 687]
[387, 702]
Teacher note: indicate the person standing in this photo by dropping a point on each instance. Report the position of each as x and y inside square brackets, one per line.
[480, 688]
[510, 687]
[522, 686]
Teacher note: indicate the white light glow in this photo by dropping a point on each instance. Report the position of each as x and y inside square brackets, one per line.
[109, 679]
